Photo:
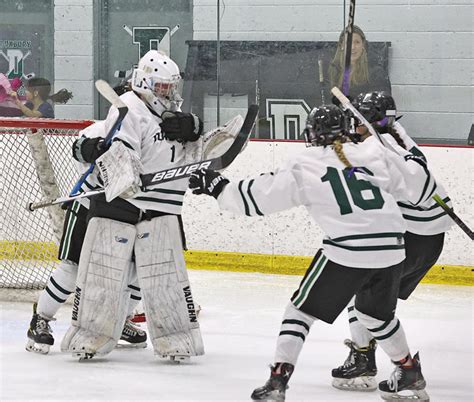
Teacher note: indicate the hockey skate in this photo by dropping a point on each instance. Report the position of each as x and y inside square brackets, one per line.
[132, 336]
[405, 383]
[276, 386]
[358, 371]
[39, 334]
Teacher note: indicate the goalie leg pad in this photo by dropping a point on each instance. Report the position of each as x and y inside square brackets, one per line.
[166, 293]
[102, 292]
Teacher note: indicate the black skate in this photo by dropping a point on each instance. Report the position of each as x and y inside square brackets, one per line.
[39, 334]
[132, 336]
[405, 383]
[275, 388]
[359, 370]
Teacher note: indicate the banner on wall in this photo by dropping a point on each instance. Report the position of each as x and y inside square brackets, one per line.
[147, 38]
[20, 51]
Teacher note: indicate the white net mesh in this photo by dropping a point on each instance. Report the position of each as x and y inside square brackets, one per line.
[28, 247]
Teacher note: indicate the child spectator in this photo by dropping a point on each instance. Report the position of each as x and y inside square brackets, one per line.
[37, 96]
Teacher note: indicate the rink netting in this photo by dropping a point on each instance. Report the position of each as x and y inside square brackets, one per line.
[28, 247]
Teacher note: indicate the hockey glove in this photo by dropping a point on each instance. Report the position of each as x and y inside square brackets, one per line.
[88, 149]
[207, 182]
[179, 126]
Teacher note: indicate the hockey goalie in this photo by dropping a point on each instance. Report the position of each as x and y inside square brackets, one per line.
[137, 233]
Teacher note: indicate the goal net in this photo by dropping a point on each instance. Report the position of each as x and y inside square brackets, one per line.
[36, 163]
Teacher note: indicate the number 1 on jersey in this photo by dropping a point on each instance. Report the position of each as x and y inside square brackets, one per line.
[173, 149]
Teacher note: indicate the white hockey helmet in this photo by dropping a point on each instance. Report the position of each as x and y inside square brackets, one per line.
[157, 78]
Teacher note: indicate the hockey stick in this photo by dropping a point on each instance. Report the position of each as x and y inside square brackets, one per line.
[348, 49]
[321, 81]
[220, 162]
[108, 93]
[33, 206]
[453, 216]
[348, 105]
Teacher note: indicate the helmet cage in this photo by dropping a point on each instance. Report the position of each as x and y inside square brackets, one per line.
[157, 79]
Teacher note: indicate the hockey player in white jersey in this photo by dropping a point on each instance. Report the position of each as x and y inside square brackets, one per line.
[350, 190]
[62, 280]
[138, 228]
[426, 226]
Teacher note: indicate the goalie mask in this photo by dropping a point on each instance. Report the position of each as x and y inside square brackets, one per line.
[157, 78]
[324, 125]
[377, 107]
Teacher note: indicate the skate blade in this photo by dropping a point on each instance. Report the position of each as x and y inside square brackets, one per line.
[406, 395]
[175, 358]
[40, 348]
[360, 384]
[128, 345]
[82, 356]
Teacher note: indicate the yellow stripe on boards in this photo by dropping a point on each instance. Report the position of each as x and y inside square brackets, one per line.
[28, 250]
[296, 265]
[236, 262]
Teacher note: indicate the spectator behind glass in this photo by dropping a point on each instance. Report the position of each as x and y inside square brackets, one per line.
[364, 77]
[8, 107]
[37, 96]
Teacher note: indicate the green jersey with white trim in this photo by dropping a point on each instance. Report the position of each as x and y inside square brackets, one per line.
[356, 208]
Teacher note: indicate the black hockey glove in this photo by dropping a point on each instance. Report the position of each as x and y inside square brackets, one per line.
[179, 126]
[207, 182]
[88, 149]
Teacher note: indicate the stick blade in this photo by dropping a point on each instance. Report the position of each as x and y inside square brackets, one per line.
[108, 93]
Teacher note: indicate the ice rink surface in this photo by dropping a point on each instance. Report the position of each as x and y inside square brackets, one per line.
[240, 320]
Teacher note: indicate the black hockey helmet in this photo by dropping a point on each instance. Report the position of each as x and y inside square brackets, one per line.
[324, 125]
[377, 107]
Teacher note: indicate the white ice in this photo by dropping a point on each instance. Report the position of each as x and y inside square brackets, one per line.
[240, 320]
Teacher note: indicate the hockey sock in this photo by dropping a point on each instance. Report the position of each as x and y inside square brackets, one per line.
[135, 298]
[388, 334]
[294, 329]
[60, 285]
[360, 335]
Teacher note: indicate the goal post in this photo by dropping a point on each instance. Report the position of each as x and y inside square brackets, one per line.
[35, 162]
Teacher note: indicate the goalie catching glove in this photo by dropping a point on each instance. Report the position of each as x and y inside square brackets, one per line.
[182, 127]
[209, 182]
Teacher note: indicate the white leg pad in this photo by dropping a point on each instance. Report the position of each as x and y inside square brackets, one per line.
[166, 293]
[102, 293]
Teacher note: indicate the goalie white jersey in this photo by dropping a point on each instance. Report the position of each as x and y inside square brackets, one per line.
[140, 131]
[427, 218]
[357, 209]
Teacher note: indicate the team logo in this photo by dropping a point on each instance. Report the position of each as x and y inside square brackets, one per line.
[190, 304]
[77, 301]
[177, 172]
[287, 118]
[122, 240]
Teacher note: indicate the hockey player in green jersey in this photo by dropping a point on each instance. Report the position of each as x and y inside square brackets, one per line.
[351, 190]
